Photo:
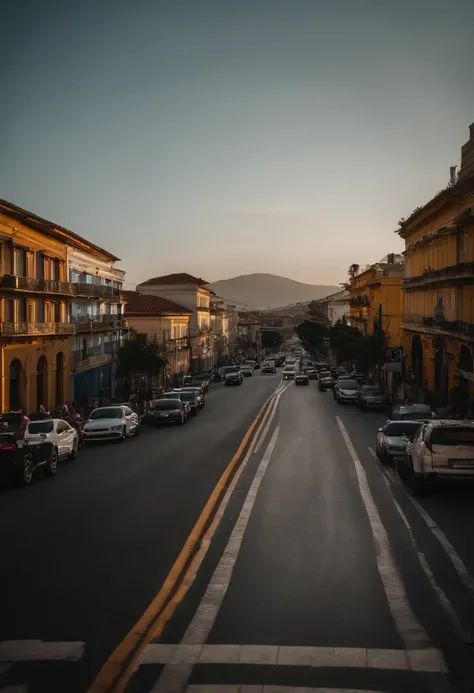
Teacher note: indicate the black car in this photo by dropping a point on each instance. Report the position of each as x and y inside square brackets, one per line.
[301, 379]
[311, 372]
[203, 379]
[233, 378]
[372, 397]
[18, 460]
[223, 370]
[326, 381]
[413, 412]
[166, 411]
[200, 397]
[189, 397]
[269, 369]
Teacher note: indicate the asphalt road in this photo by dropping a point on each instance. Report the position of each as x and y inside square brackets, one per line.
[319, 570]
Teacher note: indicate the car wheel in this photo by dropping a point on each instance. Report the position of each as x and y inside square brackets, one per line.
[27, 470]
[52, 465]
[74, 451]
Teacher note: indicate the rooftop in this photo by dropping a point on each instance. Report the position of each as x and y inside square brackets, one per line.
[179, 278]
[141, 304]
[52, 229]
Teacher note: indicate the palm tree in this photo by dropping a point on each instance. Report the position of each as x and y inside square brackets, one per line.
[353, 269]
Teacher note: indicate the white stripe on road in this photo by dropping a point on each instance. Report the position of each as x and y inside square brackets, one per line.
[37, 650]
[274, 405]
[175, 675]
[411, 631]
[430, 660]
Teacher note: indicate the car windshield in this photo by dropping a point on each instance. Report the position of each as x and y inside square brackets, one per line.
[40, 427]
[399, 429]
[106, 413]
[187, 396]
[453, 436]
[350, 385]
[416, 414]
[325, 375]
[229, 369]
[166, 404]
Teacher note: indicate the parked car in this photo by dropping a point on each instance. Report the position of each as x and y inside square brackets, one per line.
[269, 369]
[439, 450]
[301, 379]
[360, 377]
[203, 379]
[18, 460]
[111, 423]
[393, 437]
[326, 381]
[56, 431]
[336, 371]
[321, 366]
[246, 370]
[168, 410]
[372, 397]
[200, 396]
[233, 378]
[252, 363]
[223, 370]
[346, 390]
[413, 412]
[188, 397]
[289, 372]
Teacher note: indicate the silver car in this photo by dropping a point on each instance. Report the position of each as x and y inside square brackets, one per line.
[393, 438]
[346, 391]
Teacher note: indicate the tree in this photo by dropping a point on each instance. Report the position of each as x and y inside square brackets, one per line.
[271, 339]
[137, 354]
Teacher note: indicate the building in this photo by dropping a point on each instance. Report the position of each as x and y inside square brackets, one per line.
[37, 295]
[191, 293]
[438, 288]
[165, 323]
[219, 316]
[249, 335]
[96, 311]
[336, 306]
[376, 299]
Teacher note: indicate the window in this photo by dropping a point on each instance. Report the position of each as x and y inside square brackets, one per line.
[9, 310]
[30, 311]
[19, 262]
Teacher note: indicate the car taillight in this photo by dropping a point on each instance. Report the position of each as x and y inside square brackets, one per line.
[8, 446]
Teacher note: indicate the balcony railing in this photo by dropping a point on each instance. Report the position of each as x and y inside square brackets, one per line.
[203, 309]
[360, 301]
[46, 286]
[178, 343]
[435, 323]
[27, 329]
[96, 290]
[462, 271]
[95, 355]
[87, 323]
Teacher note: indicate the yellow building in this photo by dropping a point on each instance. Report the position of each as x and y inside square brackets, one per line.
[438, 319]
[163, 321]
[375, 299]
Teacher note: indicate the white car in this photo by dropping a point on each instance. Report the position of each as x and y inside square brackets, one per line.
[111, 423]
[440, 449]
[63, 436]
[289, 372]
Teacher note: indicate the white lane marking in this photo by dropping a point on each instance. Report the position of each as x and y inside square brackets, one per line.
[430, 660]
[411, 631]
[175, 675]
[274, 405]
[36, 650]
[459, 565]
[229, 688]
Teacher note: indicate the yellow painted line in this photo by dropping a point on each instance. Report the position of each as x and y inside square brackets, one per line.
[114, 666]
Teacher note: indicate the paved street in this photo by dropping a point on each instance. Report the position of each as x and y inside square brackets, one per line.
[316, 570]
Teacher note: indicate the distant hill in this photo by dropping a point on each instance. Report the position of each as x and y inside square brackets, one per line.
[263, 291]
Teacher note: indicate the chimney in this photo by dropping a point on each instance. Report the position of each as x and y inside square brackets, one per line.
[467, 156]
[391, 258]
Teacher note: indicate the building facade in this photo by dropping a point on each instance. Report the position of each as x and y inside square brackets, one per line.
[192, 293]
[97, 313]
[164, 322]
[220, 326]
[438, 288]
[336, 307]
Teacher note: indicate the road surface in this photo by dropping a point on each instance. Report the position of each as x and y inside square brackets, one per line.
[307, 567]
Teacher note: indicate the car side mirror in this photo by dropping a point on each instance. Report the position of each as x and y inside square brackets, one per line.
[380, 430]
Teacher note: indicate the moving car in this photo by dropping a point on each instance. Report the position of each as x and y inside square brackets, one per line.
[326, 381]
[223, 370]
[372, 396]
[311, 372]
[56, 431]
[233, 378]
[346, 391]
[268, 369]
[168, 410]
[413, 412]
[439, 450]
[393, 438]
[18, 460]
[301, 379]
[321, 366]
[246, 370]
[289, 372]
[111, 423]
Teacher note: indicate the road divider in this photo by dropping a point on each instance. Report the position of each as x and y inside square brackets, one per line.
[117, 670]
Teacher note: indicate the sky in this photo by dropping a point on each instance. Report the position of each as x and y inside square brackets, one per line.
[224, 137]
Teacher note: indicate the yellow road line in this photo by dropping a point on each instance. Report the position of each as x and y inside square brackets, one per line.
[114, 666]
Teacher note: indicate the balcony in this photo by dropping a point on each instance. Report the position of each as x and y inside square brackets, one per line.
[33, 285]
[438, 324]
[94, 356]
[462, 273]
[203, 309]
[360, 301]
[36, 329]
[98, 323]
[179, 343]
[95, 290]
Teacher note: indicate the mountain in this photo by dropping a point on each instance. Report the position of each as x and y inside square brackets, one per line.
[260, 291]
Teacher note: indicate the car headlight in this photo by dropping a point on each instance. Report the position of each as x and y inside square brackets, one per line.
[175, 411]
[117, 427]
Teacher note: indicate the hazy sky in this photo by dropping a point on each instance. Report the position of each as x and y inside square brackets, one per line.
[222, 137]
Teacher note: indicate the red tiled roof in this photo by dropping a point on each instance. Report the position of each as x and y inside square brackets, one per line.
[180, 278]
[136, 302]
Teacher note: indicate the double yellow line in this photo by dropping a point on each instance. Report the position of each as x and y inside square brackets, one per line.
[119, 667]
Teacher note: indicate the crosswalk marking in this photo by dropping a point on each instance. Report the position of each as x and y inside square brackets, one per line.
[428, 660]
[37, 650]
